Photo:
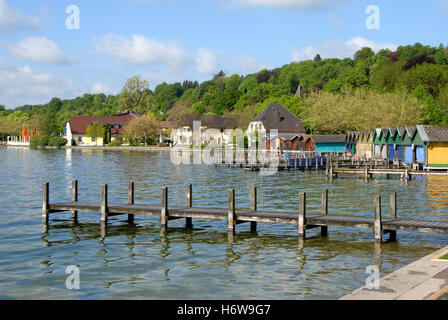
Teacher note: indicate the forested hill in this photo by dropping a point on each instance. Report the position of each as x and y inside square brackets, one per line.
[370, 90]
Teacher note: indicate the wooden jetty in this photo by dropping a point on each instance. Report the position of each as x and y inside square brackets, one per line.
[369, 172]
[234, 217]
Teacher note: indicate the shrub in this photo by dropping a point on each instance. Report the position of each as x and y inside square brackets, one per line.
[116, 143]
[57, 142]
[43, 142]
[34, 142]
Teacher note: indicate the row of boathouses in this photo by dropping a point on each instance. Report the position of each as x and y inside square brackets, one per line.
[424, 145]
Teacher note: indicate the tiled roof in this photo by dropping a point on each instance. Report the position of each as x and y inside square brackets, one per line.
[433, 133]
[79, 124]
[168, 124]
[276, 116]
[411, 131]
[335, 138]
[209, 121]
[401, 132]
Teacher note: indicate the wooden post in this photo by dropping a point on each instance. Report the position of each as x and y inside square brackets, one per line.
[295, 162]
[104, 208]
[189, 203]
[306, 163]
[253, 207]
[317, 163]
[302, 215]
[231, 217]
[324, 206]
[164, 208]
[131, 200]
[393, 214]
[45, 202]
[378, 228]
[75, 198]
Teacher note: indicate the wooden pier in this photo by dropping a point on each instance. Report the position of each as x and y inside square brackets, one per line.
[234, 217]
[369, 172]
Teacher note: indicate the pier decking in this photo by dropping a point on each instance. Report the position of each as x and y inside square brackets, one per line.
[380, 226]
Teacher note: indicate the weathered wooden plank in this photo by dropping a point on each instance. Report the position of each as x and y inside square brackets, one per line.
[231, 217]
[301, 225]
[45, 201]
[253, 207]
[131, 198]
[378, 229]
[189, 203]
[324, 211]
[75, 198]
[393, 213]
[164, 208]
[104, 208]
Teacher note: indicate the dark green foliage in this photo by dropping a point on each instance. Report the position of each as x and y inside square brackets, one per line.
[45, 141]
[57, 142]
[414, 69]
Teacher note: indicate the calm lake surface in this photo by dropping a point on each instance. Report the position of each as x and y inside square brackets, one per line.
[140, 262]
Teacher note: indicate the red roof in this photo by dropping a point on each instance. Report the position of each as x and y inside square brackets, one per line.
[79, 124]
[168, 124]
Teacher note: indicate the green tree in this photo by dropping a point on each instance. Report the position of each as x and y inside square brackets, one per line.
[136, 96]
[49, 125]
[97, 130]
[146, 127]
[165, 95]
[363, 54]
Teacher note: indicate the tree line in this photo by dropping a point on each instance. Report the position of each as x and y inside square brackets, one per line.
[406, 87]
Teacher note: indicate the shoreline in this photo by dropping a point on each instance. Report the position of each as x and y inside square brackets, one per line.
[424, 279]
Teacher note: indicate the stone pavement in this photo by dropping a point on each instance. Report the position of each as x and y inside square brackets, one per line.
[424, 279]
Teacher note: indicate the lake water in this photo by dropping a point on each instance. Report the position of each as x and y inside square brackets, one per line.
[138, 261]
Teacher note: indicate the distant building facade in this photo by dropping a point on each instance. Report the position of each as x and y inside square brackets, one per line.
[214, 130]
[76, 128]
[276, 117]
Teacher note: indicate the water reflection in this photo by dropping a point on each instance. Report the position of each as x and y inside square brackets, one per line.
[122, 260]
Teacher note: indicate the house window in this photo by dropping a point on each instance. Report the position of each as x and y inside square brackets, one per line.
[93, 139]
[79, 139]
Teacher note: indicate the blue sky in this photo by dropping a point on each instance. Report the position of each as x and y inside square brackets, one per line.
[175, 40]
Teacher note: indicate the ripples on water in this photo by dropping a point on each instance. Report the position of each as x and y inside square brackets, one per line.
[138, 261]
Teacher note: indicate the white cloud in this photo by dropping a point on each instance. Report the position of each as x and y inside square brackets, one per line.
[241, 63]
[39, 49]
[11, 19]
[206, 61]
[296, 4]
[100, 88]
[22, 85]
[141, 50]
[339, 49]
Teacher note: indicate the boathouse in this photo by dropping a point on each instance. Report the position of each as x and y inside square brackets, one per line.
[364, 144]
[435, 144]
[328, 143]
[380, 143]
[351, 140]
